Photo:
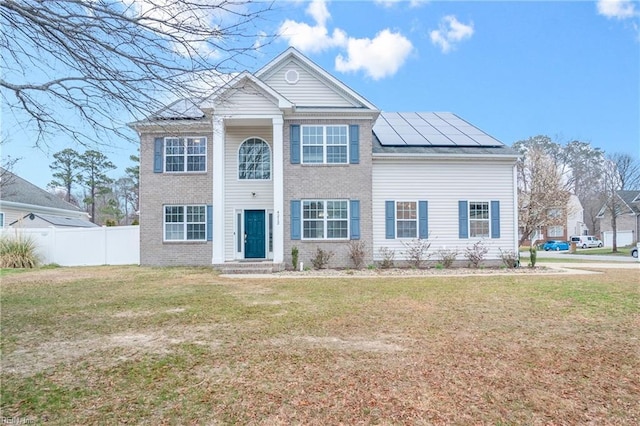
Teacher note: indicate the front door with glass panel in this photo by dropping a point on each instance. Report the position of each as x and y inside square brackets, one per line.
[254, 234]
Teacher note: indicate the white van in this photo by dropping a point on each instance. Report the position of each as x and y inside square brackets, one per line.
[586, 241]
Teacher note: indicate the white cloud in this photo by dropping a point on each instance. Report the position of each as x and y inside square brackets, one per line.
[312, 38]
[619, 9]
[450, 32]
[379, 57]
[391, 3]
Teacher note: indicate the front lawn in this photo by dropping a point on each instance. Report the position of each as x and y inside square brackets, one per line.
[109, 345]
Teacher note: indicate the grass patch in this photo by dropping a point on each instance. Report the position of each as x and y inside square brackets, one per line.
[182, 345]
[622, 251]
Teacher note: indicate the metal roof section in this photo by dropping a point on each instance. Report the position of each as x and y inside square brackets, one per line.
[59, 221]
[435, 129]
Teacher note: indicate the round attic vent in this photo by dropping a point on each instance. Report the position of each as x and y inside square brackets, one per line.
[291, 76]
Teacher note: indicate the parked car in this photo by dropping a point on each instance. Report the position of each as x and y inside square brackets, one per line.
[634, 252]
[555, 245]
[586, 241]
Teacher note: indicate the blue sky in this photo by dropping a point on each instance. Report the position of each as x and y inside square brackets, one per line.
[567, 69]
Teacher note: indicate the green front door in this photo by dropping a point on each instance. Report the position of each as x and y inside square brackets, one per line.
[254, 232]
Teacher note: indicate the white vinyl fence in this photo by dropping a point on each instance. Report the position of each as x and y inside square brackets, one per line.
[116, 245]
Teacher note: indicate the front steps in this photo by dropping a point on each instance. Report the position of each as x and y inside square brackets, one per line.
[249, 267]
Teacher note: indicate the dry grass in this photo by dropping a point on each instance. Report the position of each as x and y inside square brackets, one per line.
[184, 346]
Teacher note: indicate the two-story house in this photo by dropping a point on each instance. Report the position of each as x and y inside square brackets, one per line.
[289, 156]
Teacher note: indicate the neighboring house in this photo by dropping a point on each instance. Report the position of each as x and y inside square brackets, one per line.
[290, 156]
[627, 221]
[23, 204]
[568, 223]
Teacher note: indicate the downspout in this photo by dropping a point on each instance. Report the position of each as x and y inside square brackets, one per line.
[516, 225]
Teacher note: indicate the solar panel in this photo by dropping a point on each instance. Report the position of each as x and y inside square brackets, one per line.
[429, 129]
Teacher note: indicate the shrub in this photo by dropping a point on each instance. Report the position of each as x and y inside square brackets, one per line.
[416, 252]
[322, 258]
[533, 256]
[387, 257]
[294, 257]
[475, 254]
[510, 258]
[19, 252]
[357, 253]
[446, 257]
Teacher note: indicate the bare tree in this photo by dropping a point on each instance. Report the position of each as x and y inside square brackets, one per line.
[104, 59]
[628, 171]
[540, 191]
[621, 172]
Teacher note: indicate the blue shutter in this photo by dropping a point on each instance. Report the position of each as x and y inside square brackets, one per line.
[354, 209]
[209, 222]
[423, 220]
[294, 143]
[495, 219]
[390, 219]
[354, 144]
[463, 219]
[295, 219]
[157, 154]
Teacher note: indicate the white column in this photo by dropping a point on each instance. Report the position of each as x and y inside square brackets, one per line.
[218, 190]
[278, 190]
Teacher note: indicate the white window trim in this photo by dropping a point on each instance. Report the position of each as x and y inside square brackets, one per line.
[186, 156]
[488, 220]
[185, 223]
[325, 219]
[324, 144]
[238, 178]
[556, 234]
[407, 220]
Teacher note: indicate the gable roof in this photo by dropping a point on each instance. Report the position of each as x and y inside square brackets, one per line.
[245, 75]
[628, 198]
[19, 191]
[292, 54]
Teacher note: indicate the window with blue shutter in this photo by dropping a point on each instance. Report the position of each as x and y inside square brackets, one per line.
[158, 149]
[354, 144]
[423, 220]
[463, 220]
[495, 219]
[294, 143]
[354, 209]
[295, 219]
[390, 219]
[209, 222]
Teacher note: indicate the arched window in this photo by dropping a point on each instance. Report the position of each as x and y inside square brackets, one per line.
[254, 160]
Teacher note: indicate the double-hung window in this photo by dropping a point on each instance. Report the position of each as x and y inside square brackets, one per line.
[185, 154]
[479, 219]
[406, 219]
[185, 223]
[325, 144]
[325, 219]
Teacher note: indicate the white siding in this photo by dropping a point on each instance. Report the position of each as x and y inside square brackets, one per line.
[308, 91]
[246, 100]
[443, 183]
[238, 193]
